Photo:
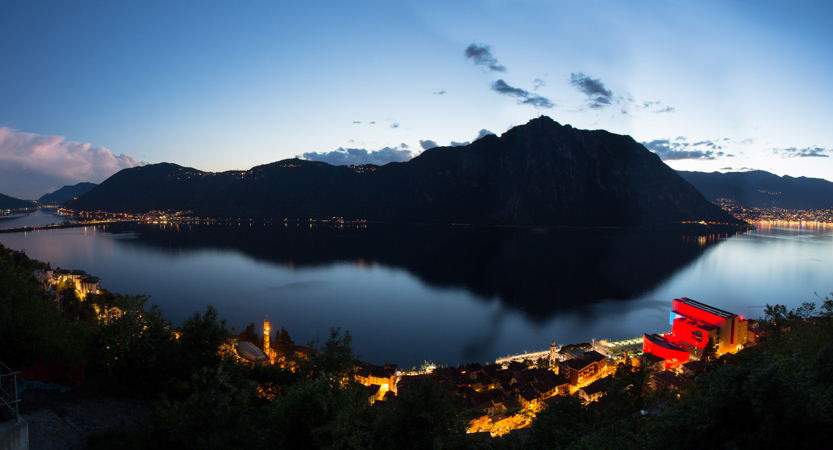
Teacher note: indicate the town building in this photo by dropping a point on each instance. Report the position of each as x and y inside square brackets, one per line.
[583, 369]
[693, 323]
[382, 376]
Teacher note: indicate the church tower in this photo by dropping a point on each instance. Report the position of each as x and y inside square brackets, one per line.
[266, 335]
[554, 356]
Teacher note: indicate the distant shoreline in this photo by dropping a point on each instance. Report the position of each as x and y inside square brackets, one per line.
[693, 228]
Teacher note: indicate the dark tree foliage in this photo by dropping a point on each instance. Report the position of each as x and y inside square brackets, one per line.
[562, 424]
[134, 353]
[284, 345]
[202, 337]
[249, 334]
[31, 326]
[710, 351]
[217, 414]
[425, 416]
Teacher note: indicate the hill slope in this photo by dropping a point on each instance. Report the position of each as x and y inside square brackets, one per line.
[7, 202]
[541, 173]
[66, 194]
[763, 189]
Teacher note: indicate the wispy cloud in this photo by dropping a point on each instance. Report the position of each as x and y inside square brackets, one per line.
[34, 164]
[807, 152]
[524, 97]
[394, 125]
[440, 93]
[667, 109]
[357, 121]
[482, 56]
[597, 94]
[358, 156]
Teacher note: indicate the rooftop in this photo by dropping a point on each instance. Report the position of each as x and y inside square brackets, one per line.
[707, 308]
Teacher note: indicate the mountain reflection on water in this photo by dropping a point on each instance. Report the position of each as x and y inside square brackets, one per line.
[536, 272]
[450, 294]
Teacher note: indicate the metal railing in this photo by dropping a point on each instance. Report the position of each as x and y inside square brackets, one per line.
[8, 392]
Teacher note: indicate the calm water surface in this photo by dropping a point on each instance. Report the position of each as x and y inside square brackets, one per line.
[452, 295]
[39, 217]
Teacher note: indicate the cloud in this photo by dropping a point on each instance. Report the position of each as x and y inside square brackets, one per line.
[667, 109]
[357, 121]
[372, 123]
[738, 169]
[671, 150]
[807, 152]
[358, 156]
[394, 125]
[427, 144]
[439, 93]
[483, 133]
[459, 144]
[482, 56]
[597, 94]
[34, 164]
[536, 83]
[524, 97]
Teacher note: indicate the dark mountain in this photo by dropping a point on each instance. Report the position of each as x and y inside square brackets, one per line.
[7, 202]
[762, 189]
[66, 194]
[541, 173]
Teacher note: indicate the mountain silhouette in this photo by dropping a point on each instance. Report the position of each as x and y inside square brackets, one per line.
[538, 174]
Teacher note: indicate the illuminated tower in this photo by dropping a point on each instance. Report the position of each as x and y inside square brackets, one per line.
[554, 356]
[266, 335]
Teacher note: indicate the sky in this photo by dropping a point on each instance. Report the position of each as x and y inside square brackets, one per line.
[89, 88]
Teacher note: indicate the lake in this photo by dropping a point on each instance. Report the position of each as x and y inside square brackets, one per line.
[448, 294]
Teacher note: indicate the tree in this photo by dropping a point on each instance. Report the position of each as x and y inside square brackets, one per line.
[217, 413]
[202, 337]
[284, 345]
[249, 334]
[709, 351]
[561, 424]
[425, 416]
[136, 350]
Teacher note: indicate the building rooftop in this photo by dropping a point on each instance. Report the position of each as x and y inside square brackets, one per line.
[694, 365]
[586, 359]
[652, 358]
[665, 375]
[707, 308]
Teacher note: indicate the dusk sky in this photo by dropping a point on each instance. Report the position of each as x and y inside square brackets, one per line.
[88, 88]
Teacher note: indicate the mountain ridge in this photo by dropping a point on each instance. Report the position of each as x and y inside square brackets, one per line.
[7, 202]
[538, 174]
[66, 193]
[763, 189]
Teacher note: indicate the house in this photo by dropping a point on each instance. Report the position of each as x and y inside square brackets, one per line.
[527, 396]
[584, 368]
[372, 392]
[691, 369]
[593, 391]
[383, 376]
[652, 362]
[90, 285]
[665, 381]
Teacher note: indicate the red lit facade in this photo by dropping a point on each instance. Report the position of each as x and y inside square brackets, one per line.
[692, 325]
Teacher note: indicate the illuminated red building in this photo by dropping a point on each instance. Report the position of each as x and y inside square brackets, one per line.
[692, 324]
